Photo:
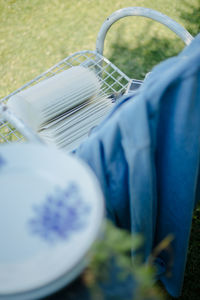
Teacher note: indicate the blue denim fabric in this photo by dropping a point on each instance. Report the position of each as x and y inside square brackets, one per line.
[146, 156]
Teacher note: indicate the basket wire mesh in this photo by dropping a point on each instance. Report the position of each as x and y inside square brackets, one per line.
[113, 83]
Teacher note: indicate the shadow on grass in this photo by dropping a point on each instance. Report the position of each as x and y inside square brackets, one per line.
[137, 61]
[191, 16]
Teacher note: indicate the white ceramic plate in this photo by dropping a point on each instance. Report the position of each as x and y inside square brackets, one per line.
[51, 211]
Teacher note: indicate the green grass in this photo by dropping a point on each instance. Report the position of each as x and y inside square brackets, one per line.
[35, 34]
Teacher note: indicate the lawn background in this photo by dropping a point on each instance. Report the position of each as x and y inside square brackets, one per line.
[36, 34]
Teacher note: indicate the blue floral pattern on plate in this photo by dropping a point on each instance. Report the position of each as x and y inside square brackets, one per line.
[2, 161]
[61, 215]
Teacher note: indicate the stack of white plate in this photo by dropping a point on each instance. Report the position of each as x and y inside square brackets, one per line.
[63, 108]
[73, 127]
[51, 97]
[51, 212]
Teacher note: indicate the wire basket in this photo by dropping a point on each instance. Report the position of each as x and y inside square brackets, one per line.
[114, 82]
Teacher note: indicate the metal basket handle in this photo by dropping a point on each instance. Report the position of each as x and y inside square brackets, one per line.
[143, 12]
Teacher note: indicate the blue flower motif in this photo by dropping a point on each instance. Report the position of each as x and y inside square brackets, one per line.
[2, 161]
[61, 215]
